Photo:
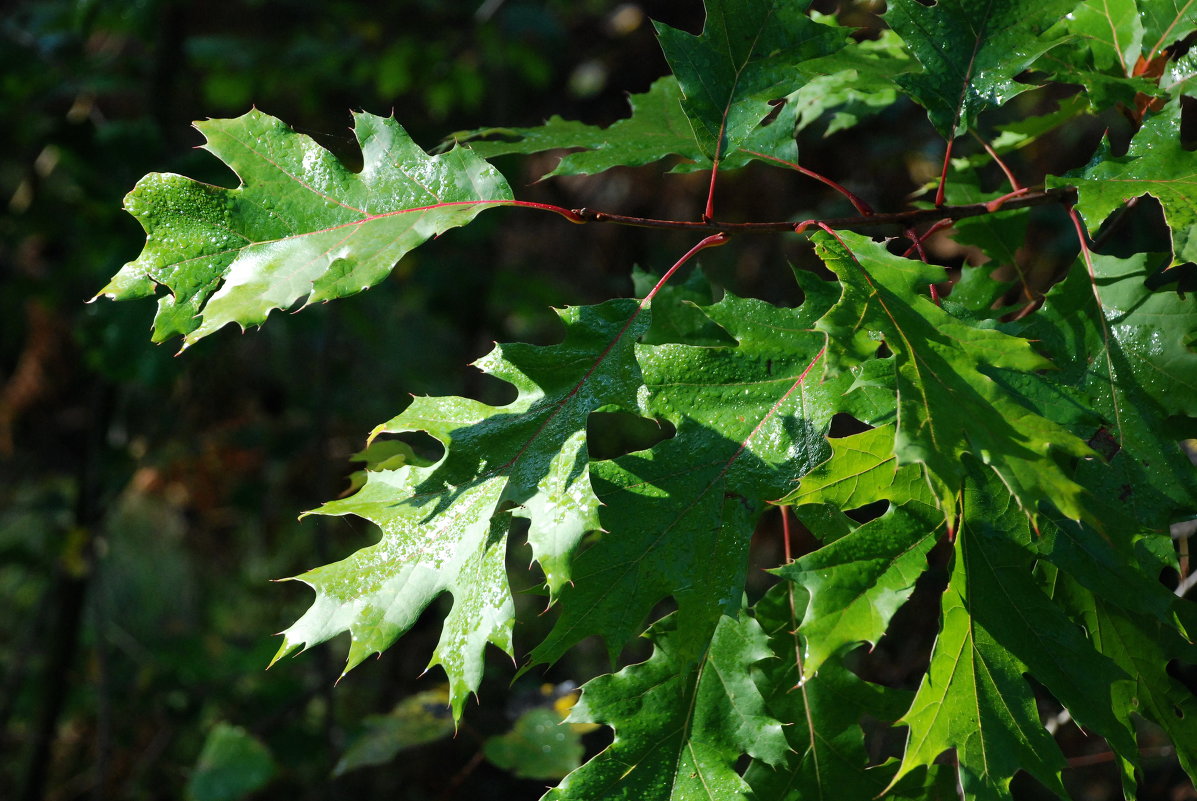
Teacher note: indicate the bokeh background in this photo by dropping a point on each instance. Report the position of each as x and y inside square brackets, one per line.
[147, 501]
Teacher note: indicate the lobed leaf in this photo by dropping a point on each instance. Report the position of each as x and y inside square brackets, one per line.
[1156, 164]
[656, 130]
[856, 583]
[1126, 367]
[997, 626]
[749, 52]
[678, 518]
[444, 526]
[822, 715]
[971, 51]
[301, 225]
[681, 719]
[947, 405]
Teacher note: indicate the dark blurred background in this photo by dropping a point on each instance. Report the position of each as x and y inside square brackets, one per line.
[146, 501]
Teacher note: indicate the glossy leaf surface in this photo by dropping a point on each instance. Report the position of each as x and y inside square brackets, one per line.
[971, 51]
[301, 226]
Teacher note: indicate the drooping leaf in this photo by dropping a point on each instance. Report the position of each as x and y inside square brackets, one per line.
[999, 235]
[1127, 351]
[681, 719]
[947, 405]
[1166, 22]
[678, 518]
[748, 53]
[853, 84]
[856, 583]
[1102, 53]
[677, 310]
[444, 528]
[1156, 164]
[656, 129]
[822, 714]
[997, 626]
[1143, 648]
[1113, 31]
[301, 225]
[971, 51]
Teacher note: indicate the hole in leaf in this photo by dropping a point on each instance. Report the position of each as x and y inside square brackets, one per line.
[426, 448]
[872, 511]
[1141, 228]
[1105, 444]
[613, 434]
[901, 657]
[845, 425]
[1184, 673]
[1188, 123]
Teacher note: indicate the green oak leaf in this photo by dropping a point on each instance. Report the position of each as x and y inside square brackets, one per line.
[947, 405]
[853, 84]
[977, 295]
[657, 129]
[1125, 365]
[1166, 22]
[822, 715]
[1180, 75]
[856, 583]
[443, 525]
[681, 719]
[301, 225]
[678, 518]
[998, 626]
[1143, 648]
[1103, 53]
[971, 51]
[749, 53]
[677, 310]
[1014, 136]
[999, 236]
[234, 764]
[1156, 164]
[1113, 32]
[416, 720]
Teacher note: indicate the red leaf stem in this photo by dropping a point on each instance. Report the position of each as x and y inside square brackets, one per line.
[917, 245]
[919, 239]
[943, 175]
[714, 240]
[997, 203]
[861, 206]
[1014, 184]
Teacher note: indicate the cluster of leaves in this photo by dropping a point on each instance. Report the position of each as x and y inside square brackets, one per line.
[1035, 445]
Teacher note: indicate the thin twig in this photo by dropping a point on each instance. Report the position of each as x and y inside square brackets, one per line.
[905, 219]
